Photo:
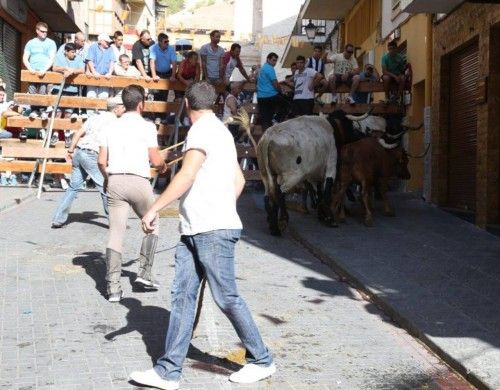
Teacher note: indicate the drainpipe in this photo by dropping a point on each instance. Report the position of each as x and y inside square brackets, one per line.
[427, 187]
[428, 78]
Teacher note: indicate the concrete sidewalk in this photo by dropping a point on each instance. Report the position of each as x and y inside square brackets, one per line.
[435, 274]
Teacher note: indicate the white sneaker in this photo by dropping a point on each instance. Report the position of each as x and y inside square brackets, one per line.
[84, 117]
[49, 109]
[350, 100]
[73, 116]
[33, 115]
[151, 378]
[251, 373]
[64, 184]
[44, 116]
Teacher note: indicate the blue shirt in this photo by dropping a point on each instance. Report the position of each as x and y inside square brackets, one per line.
[163, 58]
[40, 52]
[76, 63]
[101, 58]
[265, 87]
[81, 52]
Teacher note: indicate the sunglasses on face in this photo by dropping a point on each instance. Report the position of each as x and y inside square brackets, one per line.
[42, 31]
[349, 52]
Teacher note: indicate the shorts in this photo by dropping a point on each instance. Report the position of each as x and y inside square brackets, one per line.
[339, 81]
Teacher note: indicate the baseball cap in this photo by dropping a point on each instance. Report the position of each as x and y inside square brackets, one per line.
[114, 101]
[104, 37]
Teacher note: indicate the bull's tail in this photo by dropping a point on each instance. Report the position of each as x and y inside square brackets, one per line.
[265, 170]
[244, 120]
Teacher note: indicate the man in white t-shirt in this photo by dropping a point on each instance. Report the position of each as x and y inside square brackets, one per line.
[345, 68]
[304, 82]
[126, 149]
[208, 185]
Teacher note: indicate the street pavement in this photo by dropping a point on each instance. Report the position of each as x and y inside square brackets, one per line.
[57, 331]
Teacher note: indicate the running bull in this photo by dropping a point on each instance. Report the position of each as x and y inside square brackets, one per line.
[299, 151]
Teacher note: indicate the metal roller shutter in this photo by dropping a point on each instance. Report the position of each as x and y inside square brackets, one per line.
[10, 42]
[462, 142]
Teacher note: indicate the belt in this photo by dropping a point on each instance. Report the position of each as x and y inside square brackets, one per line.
[87, 150]
[169, 73]
[127, 174]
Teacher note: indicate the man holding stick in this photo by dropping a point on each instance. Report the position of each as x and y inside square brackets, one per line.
[127, 148]
[208, 184]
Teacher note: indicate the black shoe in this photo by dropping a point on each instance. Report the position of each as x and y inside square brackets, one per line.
[56, 225]
[23, 135]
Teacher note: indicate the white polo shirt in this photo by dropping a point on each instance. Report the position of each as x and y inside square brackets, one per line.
[210, 203]
[94, 128]
[128, 139]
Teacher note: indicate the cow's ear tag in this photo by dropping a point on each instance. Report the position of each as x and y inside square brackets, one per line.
[299, 160]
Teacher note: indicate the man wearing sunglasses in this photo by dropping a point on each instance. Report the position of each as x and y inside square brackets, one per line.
[345, 68]
[38, 57]
[141, 53]
[163, 63]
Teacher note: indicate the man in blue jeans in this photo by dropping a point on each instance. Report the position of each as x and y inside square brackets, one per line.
[208, 185]
[83, 154]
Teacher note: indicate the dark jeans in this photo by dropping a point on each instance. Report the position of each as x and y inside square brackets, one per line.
[270, 106]
[303, 107]
[161, 95]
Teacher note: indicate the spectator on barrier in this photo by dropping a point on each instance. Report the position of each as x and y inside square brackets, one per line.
[123, 68]
[231, 60]
[188, 72]
[117, 45]
[38, 57]
[304, 82]
[163, 63]
[317, 62]
[393, 67]
[100, 62]
[345, 67]
[211, 59]
[293, 69]
[141, 53]
[268, 91]
[81, 46]
[368, 74]
[69, 64]
[231, 105]
[5, 108]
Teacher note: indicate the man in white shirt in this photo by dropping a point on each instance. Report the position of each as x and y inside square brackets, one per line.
[345, 68]
[304, 82]
[117, 45]
[83, 153]
[127, 147]
[208, 185]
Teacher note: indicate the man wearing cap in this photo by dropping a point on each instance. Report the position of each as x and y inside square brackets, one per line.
[83, 154]
[100, 62]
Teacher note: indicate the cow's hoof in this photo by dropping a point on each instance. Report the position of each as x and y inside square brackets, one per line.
[389, 213]
[369, 222]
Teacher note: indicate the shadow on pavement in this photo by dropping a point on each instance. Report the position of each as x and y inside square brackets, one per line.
[88, 217]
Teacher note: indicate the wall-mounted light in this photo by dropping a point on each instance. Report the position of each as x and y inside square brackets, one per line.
[311, 30]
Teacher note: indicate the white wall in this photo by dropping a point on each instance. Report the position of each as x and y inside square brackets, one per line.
[389, 25]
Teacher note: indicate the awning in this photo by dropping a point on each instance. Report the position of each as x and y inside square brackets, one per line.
[429, 6]
[326, 9]
[50, 12]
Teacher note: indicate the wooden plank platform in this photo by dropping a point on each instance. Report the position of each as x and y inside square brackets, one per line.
[33, 151]
[85, 102]
[252, 175]
[113, 82]
[28, 143]
[59, 124]
[28, 166]
[377, 108]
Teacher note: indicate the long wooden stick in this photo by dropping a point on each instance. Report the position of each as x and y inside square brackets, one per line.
[49, 136]
[174, 146]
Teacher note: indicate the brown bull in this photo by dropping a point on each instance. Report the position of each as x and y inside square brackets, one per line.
[368, 162]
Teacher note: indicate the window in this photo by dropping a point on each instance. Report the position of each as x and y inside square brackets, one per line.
[320, 24]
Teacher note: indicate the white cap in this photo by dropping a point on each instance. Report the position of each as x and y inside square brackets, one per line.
[104, 37]
[113, 102]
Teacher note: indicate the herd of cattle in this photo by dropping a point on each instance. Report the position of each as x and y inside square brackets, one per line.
[324, 155]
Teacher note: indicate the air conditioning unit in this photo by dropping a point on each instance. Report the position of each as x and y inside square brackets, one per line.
[18, 9]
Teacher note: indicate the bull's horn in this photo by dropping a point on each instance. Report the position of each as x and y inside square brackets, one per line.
[422, 154]
[357, 118]
[405, 122]
[385, 145]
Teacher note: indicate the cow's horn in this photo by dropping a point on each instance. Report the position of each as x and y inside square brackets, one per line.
[422, 154]
[385, 145]
[358, 117]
